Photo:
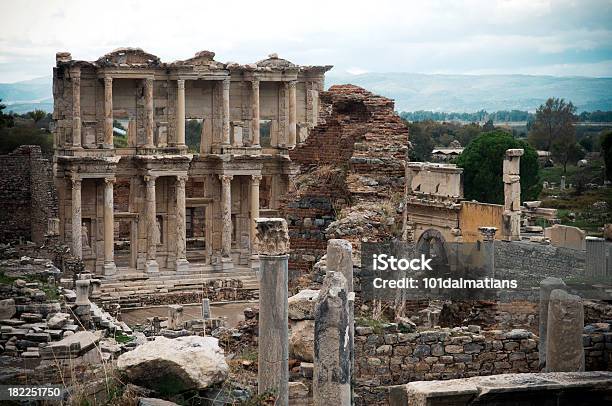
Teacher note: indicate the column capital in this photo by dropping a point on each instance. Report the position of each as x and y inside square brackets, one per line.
[76, 181]
[226, 178]
[256, 178]
[75, 71]
[292, 83]
[148, 80]
[181, 179]
[226, 83]
[108, 80]
[180, 83]
[110, 180]
[255, 82]
[149, 178]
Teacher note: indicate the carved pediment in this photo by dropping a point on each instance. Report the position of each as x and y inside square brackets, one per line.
[129, 57]
[201, 60]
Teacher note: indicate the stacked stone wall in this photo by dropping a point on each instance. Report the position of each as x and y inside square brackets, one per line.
[27, 195]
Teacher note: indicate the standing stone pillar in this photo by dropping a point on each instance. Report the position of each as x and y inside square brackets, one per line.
[332, 352]
[175, 317]
[255, 112]
[564, 349]
[595, 258]
[226, 208]
[292, 114]
[82, 292]
[273, 248]
[255, 180]
[108, 112]
[488, 236]
[226, 112]
[546, 287]
[151, 224]
[109, 228]
[180, 113]
[512, 195]
[75, 77]
[340, 259]
[181, 230]
[562, 185]
[206, 309]
[77, 242]
[148, 92]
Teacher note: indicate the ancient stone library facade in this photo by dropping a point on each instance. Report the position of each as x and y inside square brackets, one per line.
[150, 204]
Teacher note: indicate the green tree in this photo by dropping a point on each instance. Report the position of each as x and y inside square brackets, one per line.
[482, 162]
[606, 152]
[6, 120]
[36, 115]
[422, 144]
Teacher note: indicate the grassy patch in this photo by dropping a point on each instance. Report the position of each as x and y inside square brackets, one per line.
[122, 338]
[375, 325]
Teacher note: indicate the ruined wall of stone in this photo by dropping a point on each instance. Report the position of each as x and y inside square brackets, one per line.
[27, 195]
[355, 154]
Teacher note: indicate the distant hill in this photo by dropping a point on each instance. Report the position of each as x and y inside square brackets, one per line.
[411, 91]
[469, 93]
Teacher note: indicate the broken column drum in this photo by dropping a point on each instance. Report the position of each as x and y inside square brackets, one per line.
[564, 349]
[272, 245]
[546, 287]
[512, 194]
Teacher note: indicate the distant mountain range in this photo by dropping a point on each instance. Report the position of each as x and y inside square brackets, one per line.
[411, 91]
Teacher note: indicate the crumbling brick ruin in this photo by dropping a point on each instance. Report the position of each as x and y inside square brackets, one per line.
[353, 157]
[27, 195]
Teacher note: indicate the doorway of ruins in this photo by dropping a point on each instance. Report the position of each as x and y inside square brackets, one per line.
[125, 238]
[195, 230]
[433, 245]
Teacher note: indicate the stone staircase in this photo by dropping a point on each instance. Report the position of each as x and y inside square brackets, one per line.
[127, 286]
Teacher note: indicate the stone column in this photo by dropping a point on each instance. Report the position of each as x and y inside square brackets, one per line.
[180, 113]
[564, 349]
[340, 259]
[206, 309]
[488, 237]
[151, 224]
[148, 90]
[109, 228]
[181, 237]
[292, 114]
[82, 292]
[175, 317]
[595, 258]
[273, 248]
[77, 242]
[546, 287]
[512, 195]
[255, 112]
[226, 112]
[332, 352]
[255, 179]
[75, 76]
[108, 112]
[562, 185]
[226, 207]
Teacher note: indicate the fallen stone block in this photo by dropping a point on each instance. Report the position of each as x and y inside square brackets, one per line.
[301, 305]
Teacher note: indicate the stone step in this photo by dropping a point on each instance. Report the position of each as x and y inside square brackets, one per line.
[118, 287]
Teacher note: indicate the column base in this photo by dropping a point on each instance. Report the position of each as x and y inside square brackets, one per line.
[226, 263]
[254, 261]
[152, 266]
[182, 265]
[109, 268]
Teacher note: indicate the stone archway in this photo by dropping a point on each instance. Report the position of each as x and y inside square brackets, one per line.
[433, 245]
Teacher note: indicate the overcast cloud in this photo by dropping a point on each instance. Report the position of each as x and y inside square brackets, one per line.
[552, 37]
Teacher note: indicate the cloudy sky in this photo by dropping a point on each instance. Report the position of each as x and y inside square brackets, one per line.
[552, 37]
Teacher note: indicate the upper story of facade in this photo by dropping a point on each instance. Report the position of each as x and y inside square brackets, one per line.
[128, 102]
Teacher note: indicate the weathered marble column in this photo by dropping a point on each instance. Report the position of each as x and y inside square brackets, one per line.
[77, 242]
[175, 317]
[108, 112]
[151, 224]
[206, 308]
[546, 287]
[109, 228]
[292, 114]
[148, 90]
[272, 245]
[226, 208]
[75, 77]
[82, 292]
[226, 112]
[332, 352]
[488, 237]
[595, 266]
[255, 180]
[180, 113]
[181, 237]
[340, 259]
[255, 112]
[564, 349]
[512, 194]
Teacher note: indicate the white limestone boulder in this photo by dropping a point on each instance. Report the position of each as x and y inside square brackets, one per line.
[58, 320]
[175, 365]
[301, 341]
[301, 305]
